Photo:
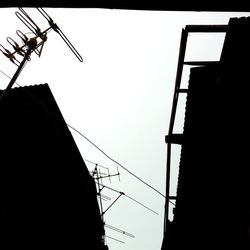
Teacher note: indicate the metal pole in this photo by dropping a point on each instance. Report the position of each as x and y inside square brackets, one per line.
[172, 118]
[15, 76]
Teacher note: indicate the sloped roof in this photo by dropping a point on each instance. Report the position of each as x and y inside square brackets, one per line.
[47, 197]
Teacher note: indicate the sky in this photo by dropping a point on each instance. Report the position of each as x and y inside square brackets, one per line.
[120, 98]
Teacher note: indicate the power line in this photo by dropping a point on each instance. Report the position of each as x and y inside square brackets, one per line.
[105, 154]
[8, 77]
[122, 193]
[110, 158]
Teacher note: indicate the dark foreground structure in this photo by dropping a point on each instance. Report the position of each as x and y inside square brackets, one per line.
[213, 199]
[47, 197]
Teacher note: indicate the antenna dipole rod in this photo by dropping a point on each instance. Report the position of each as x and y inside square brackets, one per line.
[119, 230]
[55, 27]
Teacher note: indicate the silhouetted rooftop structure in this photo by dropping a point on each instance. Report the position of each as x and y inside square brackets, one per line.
[212, 203]
[47, 197]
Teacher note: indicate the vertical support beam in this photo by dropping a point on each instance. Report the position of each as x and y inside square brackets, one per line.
[99, 190]
[182, 50]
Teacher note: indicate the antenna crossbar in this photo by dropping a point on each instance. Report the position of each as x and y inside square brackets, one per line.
[112, 203]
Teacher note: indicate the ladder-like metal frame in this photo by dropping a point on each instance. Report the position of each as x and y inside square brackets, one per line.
[177, 138]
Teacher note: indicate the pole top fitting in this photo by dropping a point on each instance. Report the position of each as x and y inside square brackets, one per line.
[32, 43]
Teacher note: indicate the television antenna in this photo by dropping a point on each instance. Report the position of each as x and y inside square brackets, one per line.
[99, 174]
[33, 44]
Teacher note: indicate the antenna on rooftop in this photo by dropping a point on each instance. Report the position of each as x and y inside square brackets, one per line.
[33, 44]
[98, 176]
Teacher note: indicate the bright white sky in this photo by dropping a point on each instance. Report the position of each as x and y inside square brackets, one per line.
[120, 97]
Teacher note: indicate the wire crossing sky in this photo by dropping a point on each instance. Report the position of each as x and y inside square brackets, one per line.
[120, 96]
[116, 162]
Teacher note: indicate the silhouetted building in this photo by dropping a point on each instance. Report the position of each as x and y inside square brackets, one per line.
[47, 197]
[212, 204]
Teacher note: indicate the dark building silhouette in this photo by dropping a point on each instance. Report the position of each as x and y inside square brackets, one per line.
[212, 203]
[47, 197]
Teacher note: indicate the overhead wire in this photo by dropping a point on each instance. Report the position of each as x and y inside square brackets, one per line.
[100, 150]
[116, 162]
[122, 193]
